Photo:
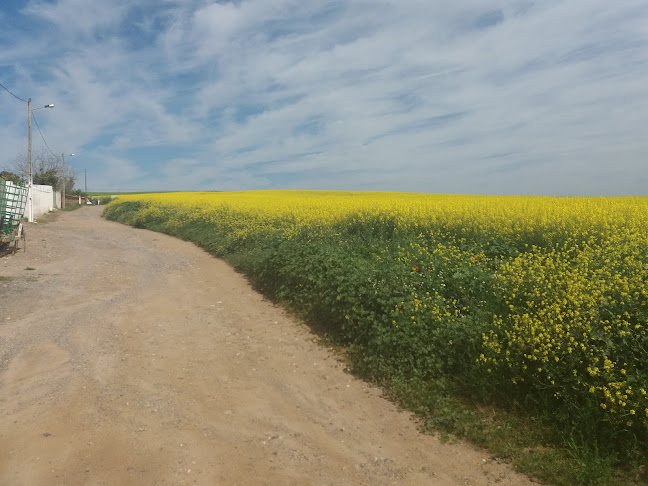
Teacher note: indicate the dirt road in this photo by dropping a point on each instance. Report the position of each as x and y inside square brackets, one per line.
[131, 358]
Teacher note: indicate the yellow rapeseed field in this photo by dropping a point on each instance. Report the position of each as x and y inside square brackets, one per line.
[561, 281]
[507, 215]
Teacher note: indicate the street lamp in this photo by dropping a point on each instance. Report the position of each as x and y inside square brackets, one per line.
[64, 181]
[29, 156]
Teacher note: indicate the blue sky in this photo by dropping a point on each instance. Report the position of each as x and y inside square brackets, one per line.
[475, 97]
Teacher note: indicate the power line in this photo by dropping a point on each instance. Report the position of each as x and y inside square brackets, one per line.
[17, 97]
[33, 117]
[41, 134]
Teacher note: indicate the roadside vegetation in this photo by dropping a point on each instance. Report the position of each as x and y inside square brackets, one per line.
[517, 322]
[72, 207]
[46, 170]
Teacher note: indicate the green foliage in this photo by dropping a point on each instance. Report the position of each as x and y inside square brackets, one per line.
[449, 316]
[11, 177]
[72, 207]
[46, 170]
[47, 177]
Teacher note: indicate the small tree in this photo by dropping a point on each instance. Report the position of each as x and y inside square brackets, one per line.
[46, 170]
[10, 176]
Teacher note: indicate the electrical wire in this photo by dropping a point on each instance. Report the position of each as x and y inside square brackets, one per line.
[17, 97]
[33, 117]
[41, 134]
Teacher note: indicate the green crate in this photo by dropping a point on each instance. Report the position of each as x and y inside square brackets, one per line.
[13, 199]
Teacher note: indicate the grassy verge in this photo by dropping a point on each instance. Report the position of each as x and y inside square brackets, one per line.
[72, 207]
[444, 319]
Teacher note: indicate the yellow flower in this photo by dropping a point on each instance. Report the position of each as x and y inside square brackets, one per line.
[574, 268]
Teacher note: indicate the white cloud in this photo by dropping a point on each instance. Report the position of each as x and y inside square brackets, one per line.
[78, 16]
[513, 97]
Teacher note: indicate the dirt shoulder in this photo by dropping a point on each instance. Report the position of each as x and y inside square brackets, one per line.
[129, 357]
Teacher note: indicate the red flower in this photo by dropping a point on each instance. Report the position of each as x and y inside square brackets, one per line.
[429, 269]
[415, 268]
[475, 258]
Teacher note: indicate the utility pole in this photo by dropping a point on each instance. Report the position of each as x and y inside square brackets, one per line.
[63, 178]
[85, 176]
[29, 158]
[29, 162]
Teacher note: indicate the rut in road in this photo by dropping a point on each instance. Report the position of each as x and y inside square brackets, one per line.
[130, 357]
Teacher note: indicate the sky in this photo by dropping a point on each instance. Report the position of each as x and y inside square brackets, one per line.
[519, 97]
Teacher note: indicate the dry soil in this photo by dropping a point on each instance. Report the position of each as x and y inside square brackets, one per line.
[131, 358]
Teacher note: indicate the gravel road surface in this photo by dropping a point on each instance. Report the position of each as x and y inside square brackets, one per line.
[128, 357]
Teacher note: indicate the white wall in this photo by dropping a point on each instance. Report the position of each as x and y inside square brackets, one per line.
[43, 198]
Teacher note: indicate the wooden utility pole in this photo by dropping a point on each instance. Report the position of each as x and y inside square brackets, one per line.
[29, 157]
[63, 189]
[29, 163]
